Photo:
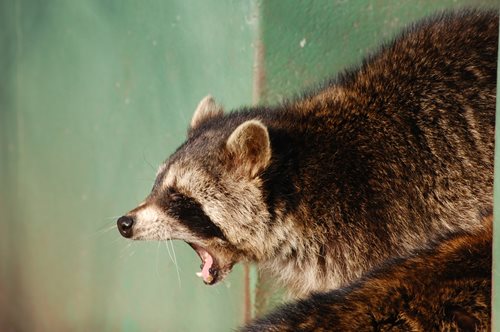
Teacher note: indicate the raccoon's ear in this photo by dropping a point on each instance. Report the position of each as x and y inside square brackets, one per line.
[207, 109]
[250, 147]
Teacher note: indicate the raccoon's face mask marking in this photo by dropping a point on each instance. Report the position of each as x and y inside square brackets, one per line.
[211, 203]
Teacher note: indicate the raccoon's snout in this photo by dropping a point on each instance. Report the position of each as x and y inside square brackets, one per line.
[124, 225]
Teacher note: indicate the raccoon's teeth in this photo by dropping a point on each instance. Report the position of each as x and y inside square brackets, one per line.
[199, 274]
[209, 279]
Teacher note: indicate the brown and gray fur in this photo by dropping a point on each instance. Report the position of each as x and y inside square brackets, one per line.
[377, 162]
[445, 287]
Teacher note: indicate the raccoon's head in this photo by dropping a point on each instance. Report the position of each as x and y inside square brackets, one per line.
[209, 193]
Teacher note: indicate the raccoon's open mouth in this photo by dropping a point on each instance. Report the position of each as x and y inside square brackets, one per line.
[210, 271]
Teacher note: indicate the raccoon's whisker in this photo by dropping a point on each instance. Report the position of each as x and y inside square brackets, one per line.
[129, 244]
[226, 283]
[169, 253]
[104, 229]
[157, 259]
[116, 240]
[175, 262]
[124, 250]
[167, 236]
[147, 162]
[173, 251]
[112, 217]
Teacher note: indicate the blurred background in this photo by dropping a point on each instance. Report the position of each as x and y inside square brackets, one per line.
[94, 95]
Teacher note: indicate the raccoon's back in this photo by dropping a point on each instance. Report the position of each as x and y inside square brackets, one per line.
[411, 131]
[436, 83]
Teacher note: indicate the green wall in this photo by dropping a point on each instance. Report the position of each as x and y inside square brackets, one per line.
[94, 95]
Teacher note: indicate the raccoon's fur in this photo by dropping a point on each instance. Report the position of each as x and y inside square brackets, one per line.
[446, 287]
[318, 190]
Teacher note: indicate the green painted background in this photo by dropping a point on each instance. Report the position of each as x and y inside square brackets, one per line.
[94, 95]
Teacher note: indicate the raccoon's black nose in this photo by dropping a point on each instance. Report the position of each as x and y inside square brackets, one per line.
[125, 226]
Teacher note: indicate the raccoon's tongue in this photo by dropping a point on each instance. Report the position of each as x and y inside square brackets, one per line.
[207, 264]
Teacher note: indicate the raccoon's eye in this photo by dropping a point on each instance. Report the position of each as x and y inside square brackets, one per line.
[173, 195]
[176, 197]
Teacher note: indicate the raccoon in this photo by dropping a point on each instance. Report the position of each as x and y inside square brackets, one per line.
[444, 287]
[321, 188]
